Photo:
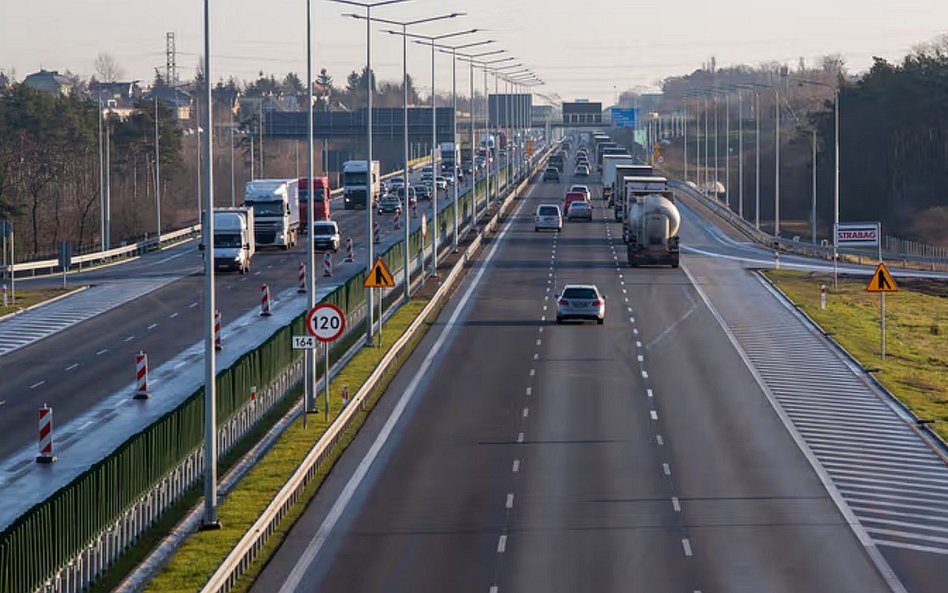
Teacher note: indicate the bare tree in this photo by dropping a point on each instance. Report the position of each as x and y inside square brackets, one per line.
[107, 69]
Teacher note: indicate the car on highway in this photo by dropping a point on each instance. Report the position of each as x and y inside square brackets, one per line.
[467, 168]
[551, 174]
[442, 182]
[582, 189]
[572, 196]
[578, 210]
[581, 171]
[548, 216]
[394, 183]
[326, 236]
[581, 301]
[390, 203]
[412, 194]
[422, 191]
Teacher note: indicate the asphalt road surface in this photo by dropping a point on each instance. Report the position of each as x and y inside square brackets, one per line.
[514, 454]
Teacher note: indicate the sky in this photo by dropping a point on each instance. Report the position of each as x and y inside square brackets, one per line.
[581, 49]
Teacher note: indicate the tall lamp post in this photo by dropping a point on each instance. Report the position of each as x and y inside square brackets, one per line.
[370, 251]
[404, 35]
[835, 173]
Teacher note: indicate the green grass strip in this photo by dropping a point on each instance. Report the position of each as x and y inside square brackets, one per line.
[915, 369]
[204, 551]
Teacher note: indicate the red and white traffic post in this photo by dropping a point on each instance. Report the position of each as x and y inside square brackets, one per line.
[823, 297]
[264, 300]
[350, 250]
[776, 260]
[376, 232]
[302, 286]
[45, 435]
[414, 210]
[327, 265]
[141, 376]
[398, 222]
[217, 330]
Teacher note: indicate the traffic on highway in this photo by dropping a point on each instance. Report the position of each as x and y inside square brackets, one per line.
[521, 329]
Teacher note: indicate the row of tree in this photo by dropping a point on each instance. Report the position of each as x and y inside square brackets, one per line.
[893, 138]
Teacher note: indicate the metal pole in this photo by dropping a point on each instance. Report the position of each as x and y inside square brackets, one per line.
[405, 171]
[727, 149]
[707, 135]
[740, 153]
[233, 186]
[457, 149]
[101, 184]
[685, 141]
[777, 163]
[210, 371]
[813, 205]
[157, 175]
[434, 169]
[310, 387]
[757, 135]
[369, 238]
[473, 170]
[108, 185]
[328, 378]
[487, 154]
[717, 160]
[197, 154]
[836, 195]
[260, 139]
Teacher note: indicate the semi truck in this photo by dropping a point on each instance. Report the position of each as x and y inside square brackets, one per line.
[599, 149]
[609, 171]
[623, 173]
[234, 243]
[276, 211]
[450, 158]
[356, 186]
[320, 199]
[651, 222]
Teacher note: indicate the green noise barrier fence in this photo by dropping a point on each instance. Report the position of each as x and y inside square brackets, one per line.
[57, 533]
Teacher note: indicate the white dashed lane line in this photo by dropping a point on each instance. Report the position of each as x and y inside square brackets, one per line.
[516, 466]
[129, 339]
[676, 504]
[35, 385]
[502, 544]
[152, 326]
[71, 367]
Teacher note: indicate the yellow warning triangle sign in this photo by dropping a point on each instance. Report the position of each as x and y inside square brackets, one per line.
[379, 276]
[882, 281]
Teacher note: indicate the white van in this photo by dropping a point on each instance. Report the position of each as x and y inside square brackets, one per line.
[548, 216]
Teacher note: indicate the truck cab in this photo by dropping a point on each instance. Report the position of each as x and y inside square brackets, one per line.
[320, 197]
[234, 244]
[359, 191]
[276, 209]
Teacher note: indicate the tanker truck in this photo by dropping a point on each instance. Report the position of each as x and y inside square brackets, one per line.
[650, 228]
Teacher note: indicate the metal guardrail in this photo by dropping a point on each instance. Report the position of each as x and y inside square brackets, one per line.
[808, 249]
[246, 550]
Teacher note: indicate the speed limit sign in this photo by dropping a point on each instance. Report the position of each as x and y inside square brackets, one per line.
[326, 322]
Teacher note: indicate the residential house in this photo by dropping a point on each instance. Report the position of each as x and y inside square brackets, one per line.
[49, 81]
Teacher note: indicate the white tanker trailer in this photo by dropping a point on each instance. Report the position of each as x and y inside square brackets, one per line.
[651, 224]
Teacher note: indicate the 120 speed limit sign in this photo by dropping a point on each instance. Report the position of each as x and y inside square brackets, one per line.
[326, 322]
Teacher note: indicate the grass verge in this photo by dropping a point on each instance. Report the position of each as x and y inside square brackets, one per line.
[33, 296]
[200, 556]
[916, 366]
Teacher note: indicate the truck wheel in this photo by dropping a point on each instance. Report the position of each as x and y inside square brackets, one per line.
[600, 321]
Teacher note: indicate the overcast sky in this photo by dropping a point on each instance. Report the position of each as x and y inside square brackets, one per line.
[581, 48]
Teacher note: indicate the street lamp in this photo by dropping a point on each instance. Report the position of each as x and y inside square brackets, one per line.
[473, 59]
[370, 255]
[835, 174]
[404, 34]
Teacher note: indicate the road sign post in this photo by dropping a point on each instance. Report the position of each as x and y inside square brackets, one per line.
[379, 277]
[882, 282]
[326, 323]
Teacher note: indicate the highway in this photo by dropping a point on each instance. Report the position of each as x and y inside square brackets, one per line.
[88, 353]
[663, 451]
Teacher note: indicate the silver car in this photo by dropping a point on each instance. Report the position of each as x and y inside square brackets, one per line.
[581, 301]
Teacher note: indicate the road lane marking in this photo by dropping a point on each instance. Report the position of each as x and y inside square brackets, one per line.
[649, 392]
[516, 466]
[533, 372]
[659, 440]
[35, 385]
[529, 391]
[539, 341]
[101, 352]
[638, 344]
[653, 414]
[510, 501]
[666, 469]
[502, 544]
[192, 305]
[641, 358]
[129, 339]
[72, 366]
[676, 504]
[520, 437]
[536, 356]
[686, 546]
[180, 364]
[635, 331]
[645, 374]
[153, 326]
[526, 412]
[172, 316]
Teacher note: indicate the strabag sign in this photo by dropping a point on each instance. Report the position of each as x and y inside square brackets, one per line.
[862, 234]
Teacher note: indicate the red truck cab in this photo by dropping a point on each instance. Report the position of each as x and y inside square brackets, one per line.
[321, 192]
